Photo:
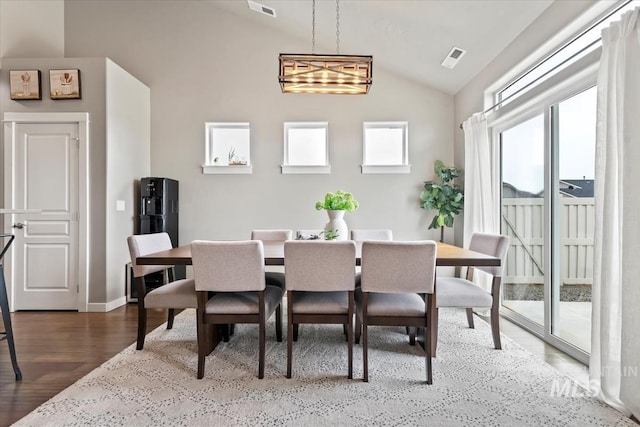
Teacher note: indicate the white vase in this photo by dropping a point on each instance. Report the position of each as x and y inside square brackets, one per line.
[337, 224]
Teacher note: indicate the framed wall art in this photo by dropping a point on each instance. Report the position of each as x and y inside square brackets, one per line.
[25, 84]
[64, 84]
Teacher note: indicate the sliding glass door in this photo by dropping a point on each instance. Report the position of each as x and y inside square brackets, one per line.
[575, 135]
[523, 213]
[547, 166]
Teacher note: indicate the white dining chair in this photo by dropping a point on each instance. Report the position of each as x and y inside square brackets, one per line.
[360, 235]
[398, 289]
[174, 294]
[274, 276]
[230, 286]
[320, 287]
[464, 293]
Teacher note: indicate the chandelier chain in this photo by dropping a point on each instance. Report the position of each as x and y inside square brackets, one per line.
[337, 26]
[313, 27]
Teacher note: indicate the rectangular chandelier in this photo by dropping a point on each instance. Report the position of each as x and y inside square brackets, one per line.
[340, 74]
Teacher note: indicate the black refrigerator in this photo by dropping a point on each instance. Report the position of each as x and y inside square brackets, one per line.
[158, 212]
[159, 207]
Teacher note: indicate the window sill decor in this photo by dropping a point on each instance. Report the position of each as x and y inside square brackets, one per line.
[227, 169]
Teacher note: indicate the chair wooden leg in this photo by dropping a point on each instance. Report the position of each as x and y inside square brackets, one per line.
[225, 333]
[470, 318]
[142, 312]
[358, 330]
[365, 353]
[365, 342]
[412, 335]
[289, 348]
[295, 331]
[427, 354]
[261, 351]
[495, 328]
[142, 325]
[211, 336]
[279, 324]
[433, 315]
[430, 333]
[203, 343]
[232, 329]
[262, 333]
[350, 349]
[171, 314]
[349, 327]
[495, 312]
[290, 328]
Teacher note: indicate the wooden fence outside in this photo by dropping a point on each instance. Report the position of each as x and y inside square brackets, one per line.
[523, 220]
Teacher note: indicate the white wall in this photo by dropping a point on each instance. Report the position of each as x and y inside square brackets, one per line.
[203, 64]
[128, 157]
[31, 28]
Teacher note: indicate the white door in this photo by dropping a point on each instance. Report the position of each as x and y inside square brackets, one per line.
[45, 273]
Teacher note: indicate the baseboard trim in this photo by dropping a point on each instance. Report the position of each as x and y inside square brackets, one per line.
[104, 307]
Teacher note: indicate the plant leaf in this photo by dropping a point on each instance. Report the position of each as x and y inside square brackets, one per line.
[442, 195]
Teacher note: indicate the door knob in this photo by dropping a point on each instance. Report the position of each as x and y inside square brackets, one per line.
[19, 225]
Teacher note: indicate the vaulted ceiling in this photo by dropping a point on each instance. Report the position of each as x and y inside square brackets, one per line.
[410, 37]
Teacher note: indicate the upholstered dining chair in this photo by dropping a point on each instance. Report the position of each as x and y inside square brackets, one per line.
[175, 294]
[464, 293]
[398, 289]
[371, 234]
[233, 271]
[273, 277]
[360, 236]
[320, 288]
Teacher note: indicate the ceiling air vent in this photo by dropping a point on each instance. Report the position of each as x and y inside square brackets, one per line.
[453, 57]
[260, 8]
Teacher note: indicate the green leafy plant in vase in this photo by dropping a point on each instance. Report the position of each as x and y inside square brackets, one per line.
[336, 204]
[443, 196]
[338, 201]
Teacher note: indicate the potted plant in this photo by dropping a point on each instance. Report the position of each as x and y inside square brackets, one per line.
[443, 196]
[336, 204]
[338, 201]
[330, 234]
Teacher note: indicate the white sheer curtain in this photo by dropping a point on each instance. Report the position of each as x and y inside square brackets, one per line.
[615, 342]
[481, 204]
[481, 192]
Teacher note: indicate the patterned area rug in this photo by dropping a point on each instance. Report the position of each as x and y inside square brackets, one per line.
[473, 383]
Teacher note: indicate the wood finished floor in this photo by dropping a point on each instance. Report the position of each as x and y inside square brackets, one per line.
[55, 349]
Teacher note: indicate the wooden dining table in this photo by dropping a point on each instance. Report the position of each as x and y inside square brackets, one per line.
[446, 256]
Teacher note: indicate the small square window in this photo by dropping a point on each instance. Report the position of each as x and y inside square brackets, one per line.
[385, 147]
[306, 147]
[227, 148]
